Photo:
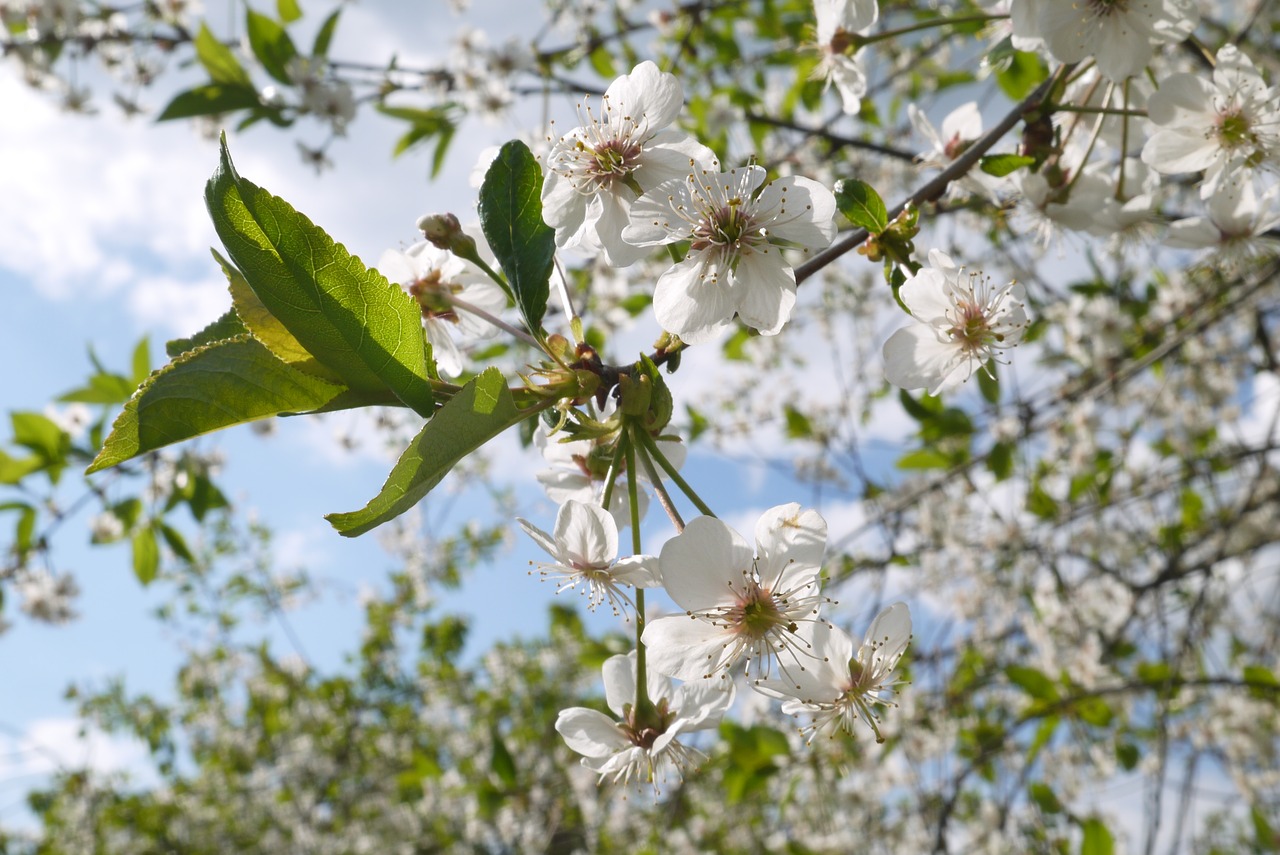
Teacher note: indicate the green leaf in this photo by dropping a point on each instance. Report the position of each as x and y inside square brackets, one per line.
[501, 763]
[511, 216]
[146, 555]
[271, 45]
[219, 61]
[141, 361]
[1000, 460]
[1261, 679]
[1044, 797]
[861, 205]
[208, 100]
[989, 383]
[225, 327]
[1001, 165]
[798, 424]
[14, 469]
[351, 319]
[479, 411]
[41, 434]
[216, 386]
[1023, 72]
[324, 36]
[1032, 681]
[1128, 755]
[266, 327]
[177, 543]
[1041, 503]
[924, 458]
[1154, 673]
[288, 10]
[1097, 838]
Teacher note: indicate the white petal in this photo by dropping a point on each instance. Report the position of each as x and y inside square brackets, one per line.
[686, 648]
[765, 287]
[638, 571]
[915, 359]
[586, 534]
[619, 674]
[590, 732]
[540, 537]
[704, 564]
[693, 299]
[787, 535]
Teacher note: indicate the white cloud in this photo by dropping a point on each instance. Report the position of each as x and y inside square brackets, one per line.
[181, 307]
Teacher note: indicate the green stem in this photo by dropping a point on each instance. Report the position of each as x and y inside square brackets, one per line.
[651, 446]
[644, 708]
[863, 41]
[664, 498]
[615, 465]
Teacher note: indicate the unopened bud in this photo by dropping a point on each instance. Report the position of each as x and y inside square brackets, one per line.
[440, 229]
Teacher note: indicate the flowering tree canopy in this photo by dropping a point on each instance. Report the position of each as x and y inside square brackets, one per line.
[1020, 371]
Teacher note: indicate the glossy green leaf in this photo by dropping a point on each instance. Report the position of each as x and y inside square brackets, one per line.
[924, 458]
[1000, 460]
[479, 411]
[266, 327]
[1020, 72]
[271, 45]
[146, 555]
[219, 60]
[364, 329]
[989, 383]
[216, 386]
[209, 100]
[511, 216]
[225, 327]
[861, 205]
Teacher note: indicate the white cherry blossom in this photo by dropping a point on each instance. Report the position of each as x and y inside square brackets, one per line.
[432, 277]
[838, 21]
[597, 170]
[585, 549]
[961, 319]
[1235, 223]
[960, 129]
[739, 603]
[737, 226]
[642, 747]
[1228, 127]
[1121, 35]
[840, 688]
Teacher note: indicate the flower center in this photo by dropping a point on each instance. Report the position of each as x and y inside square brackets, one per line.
[1234, 129]
[728, 225]
[429, 292]
[645, 733]
[756, 614]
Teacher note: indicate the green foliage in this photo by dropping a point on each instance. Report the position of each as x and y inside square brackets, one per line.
[861, 205]
[511, 216]
[481, 410]
[1001, 165]
[212, 387]
[349, 318]
[271, 45]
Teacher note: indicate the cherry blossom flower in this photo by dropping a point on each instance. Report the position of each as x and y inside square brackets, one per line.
[596, 171]
[585, 549]
[739, 603]
[840, 688]
[642, 747]
[1226, 127]
[432, 276]
[1235, 224]
[1120, 36]
[960, 129]
[737, 226]
[838, 21]
[962, 321]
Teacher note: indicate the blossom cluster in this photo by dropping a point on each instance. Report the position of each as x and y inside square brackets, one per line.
[749, 609]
